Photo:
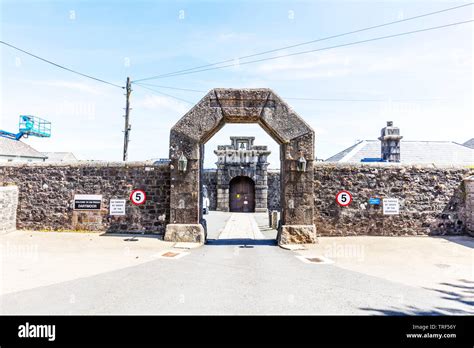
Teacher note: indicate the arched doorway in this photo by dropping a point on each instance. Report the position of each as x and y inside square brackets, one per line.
[242, 195]
[227, 105]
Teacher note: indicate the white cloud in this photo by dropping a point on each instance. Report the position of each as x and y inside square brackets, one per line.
[314, 66]
[320, 131]
[299, 63]
[232, 36]
[387, 64]
[360, 61]
[78, 86]
[154, 102]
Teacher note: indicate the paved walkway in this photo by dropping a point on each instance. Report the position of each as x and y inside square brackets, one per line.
[241, 226]
[33, 259]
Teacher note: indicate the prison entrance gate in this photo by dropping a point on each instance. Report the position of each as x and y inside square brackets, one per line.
[242, 195]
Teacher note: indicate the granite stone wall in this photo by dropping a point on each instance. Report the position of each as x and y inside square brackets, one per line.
[432, 199]
[46, 193]
[274, 189]
[209, 178]
[8, 208]
[469, 199]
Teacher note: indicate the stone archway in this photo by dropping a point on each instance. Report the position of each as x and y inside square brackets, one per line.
[206, 118]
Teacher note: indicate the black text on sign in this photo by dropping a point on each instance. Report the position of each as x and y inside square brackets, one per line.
[343, 198]
[138, 197]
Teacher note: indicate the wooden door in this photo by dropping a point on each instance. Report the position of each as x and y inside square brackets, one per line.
[242, 195]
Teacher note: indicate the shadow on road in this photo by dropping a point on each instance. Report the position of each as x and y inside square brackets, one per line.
[462, 293]
[467, 241]
[132, 236]
[242, 242]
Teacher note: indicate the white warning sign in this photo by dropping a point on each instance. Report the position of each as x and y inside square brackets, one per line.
[117, 207]
[391, 206]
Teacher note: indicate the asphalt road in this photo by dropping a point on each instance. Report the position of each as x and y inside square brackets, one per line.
[233, 276]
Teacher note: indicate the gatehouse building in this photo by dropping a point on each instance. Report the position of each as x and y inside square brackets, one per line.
[242, 183]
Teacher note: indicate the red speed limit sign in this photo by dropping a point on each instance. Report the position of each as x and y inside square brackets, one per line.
[138, 197]
[343, 198]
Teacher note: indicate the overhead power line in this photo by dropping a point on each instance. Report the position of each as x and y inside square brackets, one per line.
[165, 94]
[324, 48]
[361, 100]
[297, 98]
[303, 43]
[168, 87]
[60, 66]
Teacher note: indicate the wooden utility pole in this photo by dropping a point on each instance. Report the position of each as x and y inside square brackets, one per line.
[128, 127]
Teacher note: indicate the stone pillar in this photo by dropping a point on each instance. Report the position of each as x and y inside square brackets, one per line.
[274, 219]
[297, 193]
[223, 198]
[469, 205]
[185, 221]
[8, 207]
[261, 194]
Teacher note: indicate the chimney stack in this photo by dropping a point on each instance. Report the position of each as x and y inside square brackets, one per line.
[390, 142]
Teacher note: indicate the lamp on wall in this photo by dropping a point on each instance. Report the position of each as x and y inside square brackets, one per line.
[182, 163]
[301, 166]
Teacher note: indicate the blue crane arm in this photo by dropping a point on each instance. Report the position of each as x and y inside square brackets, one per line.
[9, 135]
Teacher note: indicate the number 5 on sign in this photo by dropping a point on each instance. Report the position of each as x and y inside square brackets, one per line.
[343, 198]
[138, 197]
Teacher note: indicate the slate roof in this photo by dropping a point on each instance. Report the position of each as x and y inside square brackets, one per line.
[469, 143]
[15, 148]
[339, 156]
[411, 152]
[60, 157]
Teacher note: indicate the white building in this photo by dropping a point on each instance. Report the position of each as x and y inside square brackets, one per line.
[407, 152]
[60, 157]
[17, 151]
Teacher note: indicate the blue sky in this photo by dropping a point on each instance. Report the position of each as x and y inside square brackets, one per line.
[423, 81]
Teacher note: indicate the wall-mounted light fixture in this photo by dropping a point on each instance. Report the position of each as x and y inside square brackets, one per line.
[301, 166]
[182, 163]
